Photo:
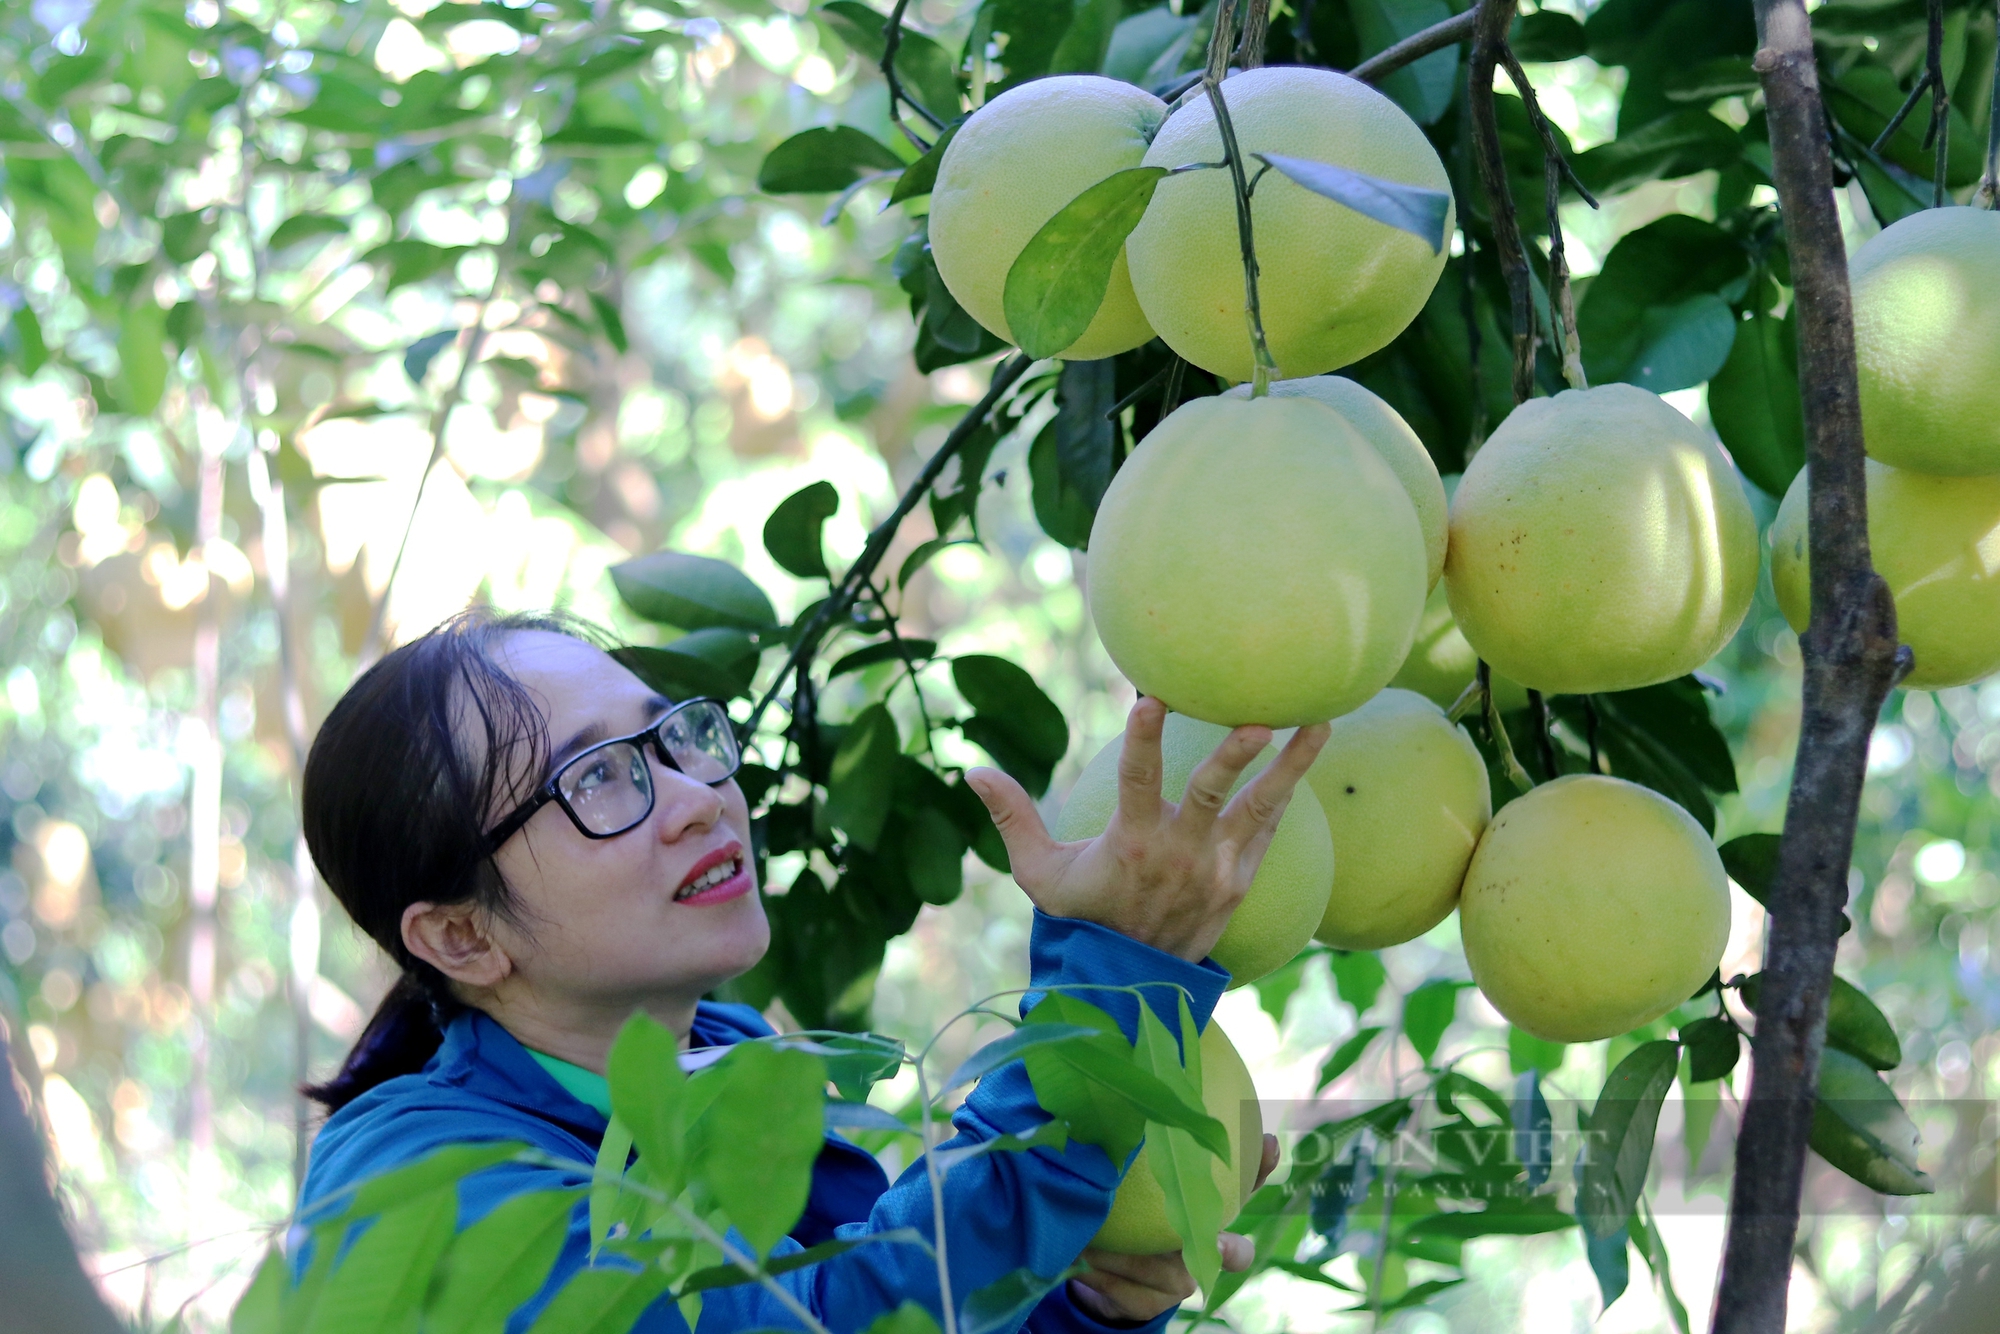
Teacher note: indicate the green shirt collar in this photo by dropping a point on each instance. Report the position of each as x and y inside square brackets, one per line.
[586, 1086]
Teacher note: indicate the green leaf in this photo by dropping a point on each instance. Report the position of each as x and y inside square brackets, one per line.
[1703, 83]
[1087, 440]
[730, 1276]
[1275, 990]
[920, 177]
[1657, 315]
[608, 1201]
[434, 1171]
[419, 356]
[729, 650]
[1005, 1302]
[934, 850]
[1752, 862]
[909, 1318]
[1865, 95]
[927, 71]
[261, 1307]
[1058, 280]
[1853, 1023]
[823, 160]
[1546, 36]
[1358, 976]
[792, 533]
[1755, 405]
[610, 321]
[1427, 1012]
[1503, 1216]
[1084, 46]
[1013, 721]
[1063, 511]
[412, 261]
[761, 1180]
[1618, 1138]
[1661, 737]
[1713, 1044]
[1424, 87]
[1003, 1050]
[25, 342]
[1421, 212]
[889, 650]
[1645, 1234]
[185, 235]
[379, 1285]
[67, 74]
[499, 1262]
[1345, 1055]
[648, 1092]
[1861, 1128]
[602, 1301]
[1677, 145]
[1534, 1128]
[142, 357]
[692, 592]
[1609, 1261]
[678, 674]
[1527, 1052]
[579, 135]
[1096, 1113]
[1148, 46]
[1183, 1168]
[861, 784]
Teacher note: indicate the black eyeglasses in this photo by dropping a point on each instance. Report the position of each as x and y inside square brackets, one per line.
[608, 789]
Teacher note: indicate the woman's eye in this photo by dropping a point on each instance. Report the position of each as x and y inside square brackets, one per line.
[595, 774]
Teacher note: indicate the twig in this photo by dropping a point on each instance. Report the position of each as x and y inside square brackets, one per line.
[1221, 39]
[892, 41]
[1989, 185]
[1263, 369]
[1489, 40]
[909, 662]
[1545, 749]
[1940, 131]
[1256, 27]
[746, 1264]
[1416, 46]
[1590, 732]
[1851, 661]
[1555, 167]
[1498, 730]
[1157, 377]
[936, 1179]
[843, 598]
[1902, 112]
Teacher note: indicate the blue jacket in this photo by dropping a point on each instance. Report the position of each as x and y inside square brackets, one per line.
[1003, 1211]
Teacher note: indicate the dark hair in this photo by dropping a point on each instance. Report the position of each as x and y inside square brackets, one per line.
[400, 785]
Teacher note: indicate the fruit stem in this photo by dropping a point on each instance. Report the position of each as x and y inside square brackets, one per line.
[1555, 168]
[1264, 370]
[1545, 748]
[1940, 132]
[1498, 731]
[1489, 40]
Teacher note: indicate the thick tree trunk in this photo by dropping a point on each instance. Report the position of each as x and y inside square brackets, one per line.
[1850, 657]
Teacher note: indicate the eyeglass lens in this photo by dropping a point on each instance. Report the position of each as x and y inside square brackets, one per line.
[611, 788]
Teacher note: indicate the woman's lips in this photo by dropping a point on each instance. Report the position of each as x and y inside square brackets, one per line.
[733, 885]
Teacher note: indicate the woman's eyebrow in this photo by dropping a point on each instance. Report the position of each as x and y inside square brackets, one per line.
[592, 732]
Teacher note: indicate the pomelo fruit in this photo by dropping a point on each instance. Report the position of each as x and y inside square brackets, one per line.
[1441, 664]
[1599, 541]
[1255, 561]
[1936, 542]
[1406, 798]
[1011, 167]
[1592, 906]
[1336, 284]
[1927, 341]
[1138, 1222]
[1288, 895]
[1383, 427]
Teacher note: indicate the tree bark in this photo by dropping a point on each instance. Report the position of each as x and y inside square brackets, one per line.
[45, 1287]
[1489, 40]
[1851, 661]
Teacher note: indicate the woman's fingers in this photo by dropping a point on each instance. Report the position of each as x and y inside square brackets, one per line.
[1030, 851]
[1237, 1252]
[1269, 1163]
[1140, 767]
[1208, 786]
[1257, 808]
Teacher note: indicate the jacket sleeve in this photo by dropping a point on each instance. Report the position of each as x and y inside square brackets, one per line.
[1003, 1211]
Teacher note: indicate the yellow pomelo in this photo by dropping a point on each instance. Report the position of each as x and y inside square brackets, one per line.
[1383, 427]
[1288, 896]
[1012, 167]
[1936, 542]
[1441, 664]
[1599, 541]
[1335, 284]
[1255, 561]
[1927, 339]
[1592, 906]
[1138, 1222]
[1406, 799]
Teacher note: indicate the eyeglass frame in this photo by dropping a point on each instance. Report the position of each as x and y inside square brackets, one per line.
[497, 836]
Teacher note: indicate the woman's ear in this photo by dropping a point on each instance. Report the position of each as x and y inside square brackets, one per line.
[453, 938]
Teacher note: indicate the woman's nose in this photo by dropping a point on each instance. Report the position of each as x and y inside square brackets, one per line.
[681, 804]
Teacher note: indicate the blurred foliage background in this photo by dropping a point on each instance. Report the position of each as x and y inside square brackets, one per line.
[324, 318]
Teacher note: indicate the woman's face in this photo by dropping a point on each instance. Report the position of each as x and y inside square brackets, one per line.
[618, 922]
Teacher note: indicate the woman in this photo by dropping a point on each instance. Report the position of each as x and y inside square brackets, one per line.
[545, 845]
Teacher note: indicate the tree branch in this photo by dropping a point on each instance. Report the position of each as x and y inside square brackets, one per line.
[1989, 185]
[1940, 131]
[1418, 45]
[1489, 41]
[1555, 168]
[1851, 661]
[854, 582]
[892, 42]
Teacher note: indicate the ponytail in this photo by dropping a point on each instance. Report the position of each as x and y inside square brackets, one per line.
[400, 786]
[402, 1036]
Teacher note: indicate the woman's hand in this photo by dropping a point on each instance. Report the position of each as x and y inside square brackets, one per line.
[1166, 875]
[1133, 1289]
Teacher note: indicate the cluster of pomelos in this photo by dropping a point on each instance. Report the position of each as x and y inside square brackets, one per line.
[1292, 557]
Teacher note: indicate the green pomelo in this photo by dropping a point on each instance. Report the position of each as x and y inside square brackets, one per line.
[1936, 542]
[1406, 798]
[1599, 541]
[1335, 284]
[1288, 895]
[1441, 664]
[1927, 341]
[1592, 906]
[1012, 167]
[1384, 428]
[1255, 561]
[1138, 1222]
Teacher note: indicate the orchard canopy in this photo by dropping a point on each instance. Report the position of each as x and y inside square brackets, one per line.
[927, 385]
